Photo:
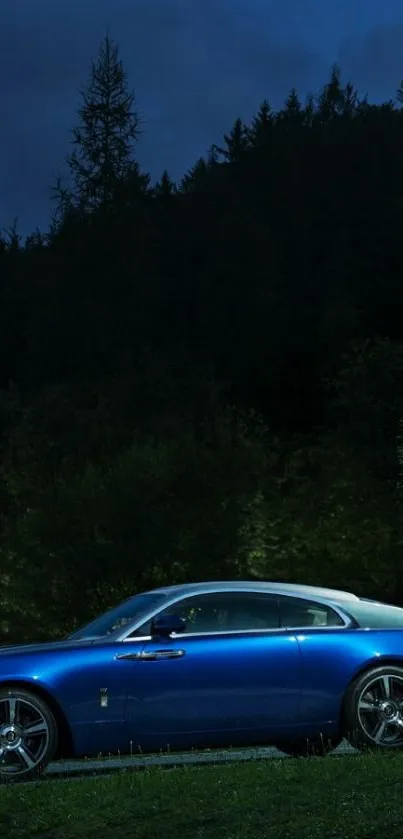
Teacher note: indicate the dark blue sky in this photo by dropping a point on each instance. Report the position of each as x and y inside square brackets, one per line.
[195, 66]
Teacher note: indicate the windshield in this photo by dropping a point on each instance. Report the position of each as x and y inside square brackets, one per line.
[130, 611]
[370, 614]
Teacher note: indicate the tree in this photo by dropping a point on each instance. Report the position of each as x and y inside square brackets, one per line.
[365, 401]
[331, 98]
[165, 188]
[196, 177]
[335, 100]
[237, 142]
[102, 160]
[399, 93]
[10, 238]
[168, 507]
[292, 112]
[262, 126]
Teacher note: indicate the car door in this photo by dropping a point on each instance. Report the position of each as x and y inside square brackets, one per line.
[233, 676]
[320, 630]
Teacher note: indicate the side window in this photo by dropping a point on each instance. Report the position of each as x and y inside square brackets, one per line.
[226, 612]
[297, 613]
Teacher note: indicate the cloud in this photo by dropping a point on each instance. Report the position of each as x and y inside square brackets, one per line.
[375, 62]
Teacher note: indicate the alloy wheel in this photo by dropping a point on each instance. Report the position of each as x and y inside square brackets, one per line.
[380, 709]
[25, 735]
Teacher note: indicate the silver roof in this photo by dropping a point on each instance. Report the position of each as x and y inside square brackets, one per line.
[250, 585]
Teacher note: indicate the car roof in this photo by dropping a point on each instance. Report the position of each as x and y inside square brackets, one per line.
[251, 585]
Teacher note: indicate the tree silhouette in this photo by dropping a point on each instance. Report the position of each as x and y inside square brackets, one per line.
[102, 159]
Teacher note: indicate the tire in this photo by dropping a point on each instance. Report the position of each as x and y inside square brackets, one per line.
[373, 709]
[315, 747]
[28, 735]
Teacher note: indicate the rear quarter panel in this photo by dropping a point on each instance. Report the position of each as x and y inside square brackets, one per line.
[332, 659]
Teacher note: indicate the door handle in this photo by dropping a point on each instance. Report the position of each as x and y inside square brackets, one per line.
[155, 655]
[128, 656]
[151, 655]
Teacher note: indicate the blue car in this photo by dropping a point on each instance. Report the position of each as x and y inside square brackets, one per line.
[215, 664]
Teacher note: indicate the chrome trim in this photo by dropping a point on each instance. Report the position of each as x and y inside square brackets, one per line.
[134, 638]
[281, 629]
[151, 655]
[178, 635]
[128, 656]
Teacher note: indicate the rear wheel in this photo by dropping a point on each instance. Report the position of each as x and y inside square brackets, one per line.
[315, 747]
[28, 735]
[373, 709]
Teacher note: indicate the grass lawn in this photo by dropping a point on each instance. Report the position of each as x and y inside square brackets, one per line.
[335, 797]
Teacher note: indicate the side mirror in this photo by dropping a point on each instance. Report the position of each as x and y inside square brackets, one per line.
[165, 625]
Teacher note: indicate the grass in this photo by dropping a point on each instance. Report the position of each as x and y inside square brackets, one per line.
[335, 797]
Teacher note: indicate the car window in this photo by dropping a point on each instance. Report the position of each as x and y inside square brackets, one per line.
[134, 608]
[224, 612]
[298, 613]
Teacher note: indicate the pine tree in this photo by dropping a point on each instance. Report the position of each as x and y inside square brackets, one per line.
[102, 160]
[12, 238]
[351, 102]
[331, 99]
[213, 157]
[262, 125]
[237, 142]
[196, 177]
[292, 112]
[309, 111]
[166, 187]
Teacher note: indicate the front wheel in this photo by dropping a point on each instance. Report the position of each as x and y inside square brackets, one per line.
[28, 735]
[373, 709]
[316, 747]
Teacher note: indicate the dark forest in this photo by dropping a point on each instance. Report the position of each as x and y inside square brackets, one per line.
[204, 380]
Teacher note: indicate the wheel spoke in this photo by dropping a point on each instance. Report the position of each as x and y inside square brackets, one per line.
[25, 757]
[379, 731]
[12, 708]
[387, 687]
[35, 728]
[366, 705]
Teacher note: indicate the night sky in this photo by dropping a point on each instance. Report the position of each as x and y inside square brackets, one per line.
[195, 66]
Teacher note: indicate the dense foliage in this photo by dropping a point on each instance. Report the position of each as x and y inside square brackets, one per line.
[205, 379]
